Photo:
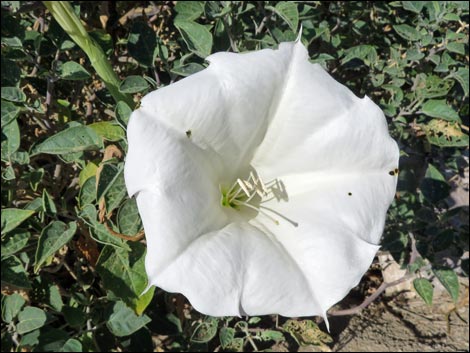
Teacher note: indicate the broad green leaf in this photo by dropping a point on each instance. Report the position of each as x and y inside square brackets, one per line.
[271, 335]
[9, 112]
[414, 6]
[73, 71]
[462, 76]
[11, 306]
[287, 10]
[197, 37]
[12, 94]
[30, 318]
[407, 32]
[14, 241]
[14, 273]
[10, 139]
[366, 53]
[226, 336]
[123, 274]
[450, 281]
[116, 193]
[123, 321]
[54, 299]
[128, 217]
[72, 345]
[142, 43]
[189, 10]
[188, 69]
[48, 203]
[73, 139]
[133, 84]
[75, 317]
[10, 72]
[87, 192]
[434, 186]
[456, 47]
[440, 109]
[123, 113]
[108, 130]
[87, 172]
[13, 217]
[425, 289]
[205, 331]
[52, 238]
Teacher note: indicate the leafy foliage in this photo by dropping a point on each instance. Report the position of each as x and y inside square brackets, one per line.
[69, 284]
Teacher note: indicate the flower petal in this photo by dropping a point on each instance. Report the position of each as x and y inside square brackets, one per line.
[321, 125]
[182, 180]
[228, 105]
[237, 270]
[340, 221]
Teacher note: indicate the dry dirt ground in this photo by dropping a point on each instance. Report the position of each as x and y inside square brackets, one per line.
[404, 325]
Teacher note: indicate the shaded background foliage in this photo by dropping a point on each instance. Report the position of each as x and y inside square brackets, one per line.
[69, 284]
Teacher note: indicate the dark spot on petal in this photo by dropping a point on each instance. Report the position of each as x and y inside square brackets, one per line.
[396, 170]
[188, 134]
[350, 193]
[392, 173]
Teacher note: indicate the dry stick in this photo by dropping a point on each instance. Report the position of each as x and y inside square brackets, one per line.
[371, 298]
[136, 237]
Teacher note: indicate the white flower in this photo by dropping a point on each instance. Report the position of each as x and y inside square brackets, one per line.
[262, 183]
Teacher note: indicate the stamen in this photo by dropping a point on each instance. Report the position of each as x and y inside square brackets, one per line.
[251, 187]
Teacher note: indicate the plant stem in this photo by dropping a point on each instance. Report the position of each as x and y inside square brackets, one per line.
[63, 13]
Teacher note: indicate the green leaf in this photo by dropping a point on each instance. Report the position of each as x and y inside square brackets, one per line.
[10, 72]
[197, 37]
[72, 345]
[271, 335]
[73, 71]
[10, 140]
[407, 32]
[434, 186]
[108, 130]
[9, 112]
[123, 321]
[12, 94]
[306, 332]
[462, 76]
[13, 217]
[450, 281]
[87, 192]
[75, 317]
[88, 172]
[413, 6]
[73, 139]
[123, 113]
[14, 273]
[48, 204]
[226, 336]
[128, 218]
[116, 193]
[142, 43]
[52, 238]
[31, 318]
[133, 84]
[287, 10]
[189, 10]
[440, 109]
[366, 53]
[425, 289]
[205, 331]
[188, 69]
[11, 306]
[14, 241]
[456, 47]
[123, 274]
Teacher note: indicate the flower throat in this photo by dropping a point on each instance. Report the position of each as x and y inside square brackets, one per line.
[252, 193]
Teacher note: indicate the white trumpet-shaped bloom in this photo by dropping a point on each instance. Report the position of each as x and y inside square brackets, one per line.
[262, 184]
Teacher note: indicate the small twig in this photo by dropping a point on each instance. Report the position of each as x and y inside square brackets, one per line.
[233, 44]
[136, 237]
[371, 298]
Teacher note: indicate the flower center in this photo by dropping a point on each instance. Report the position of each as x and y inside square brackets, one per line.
[252, 193]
